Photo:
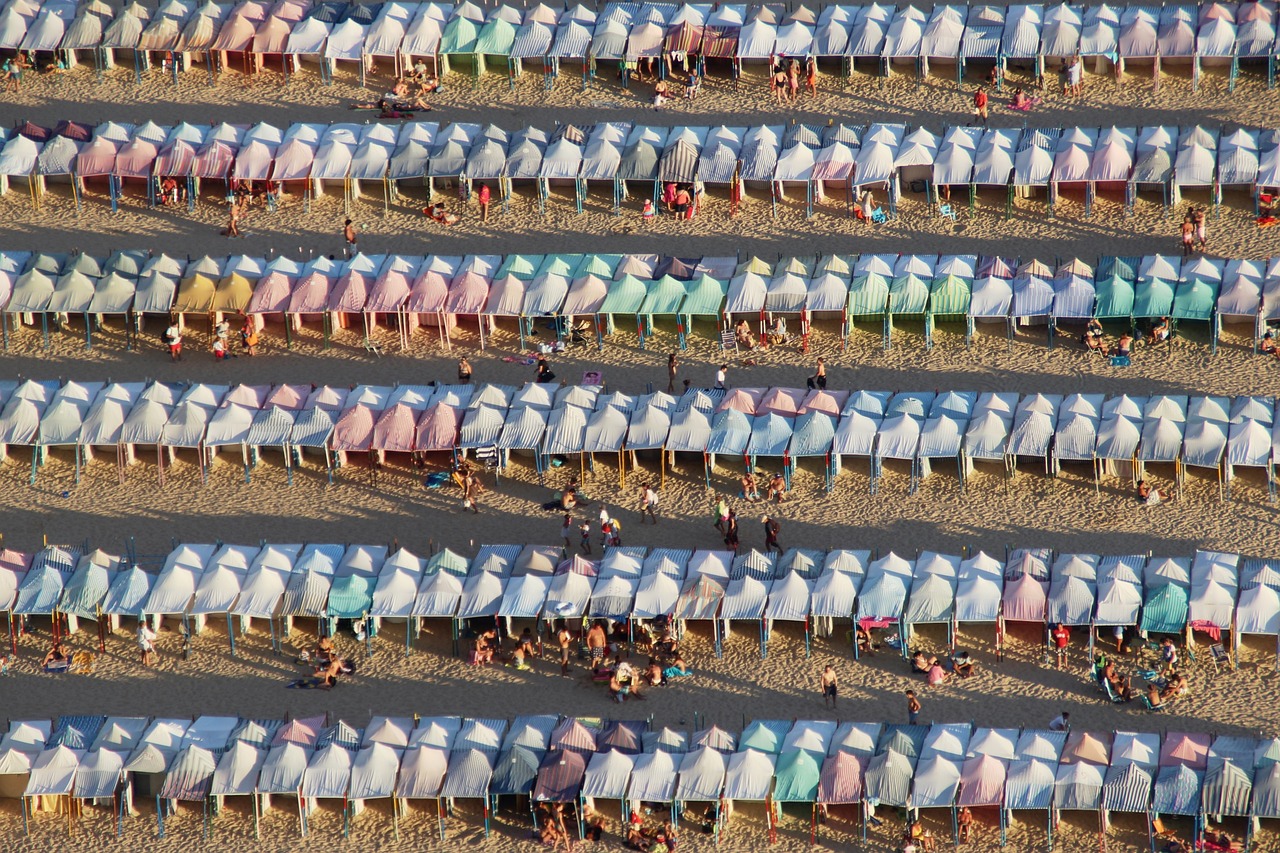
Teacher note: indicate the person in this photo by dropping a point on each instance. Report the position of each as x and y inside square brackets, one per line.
[471, 491]
[1117, 631]
[777, 488]
[1168, 656]
[818, 381]
[1175, 685]
[233, 221]
[964, 824]
[219, 349]
[168, 191]
[865, 643]
[827, 684]
[742, 335]
[660, 91]
[1020, 101]
[566, 530]
[811, 75]
[146, 642]
[1267, 344]
[1124, 345]
[673, 367]
[1093, 339]
[778, 331]
[779, 84]
[1202, 229]
[1118, 683]
[350, 236]
[1061, 639]
[920, 662]
[936, 675]
[721, 514]
[325, 651]
[669, 195]
[328, 675]
[793, 81]
[528, 644]
[596, 641]
[721, 375]
[647, 213]
[683, 202]
[750, 489]
[1159, 332]
[1149, 496]
[464, 371]
[913, 707]
[483, 196]
[544, 373]
[1076, 77]
[1154, 699]
[249, 337]
[963, 665]
[691, 88]
[56, 658]
[980, 105]
[731, 534]
[648, 502]
[1061, 723]
[771, 534]
[1188, 236]
[436, 213]
[173, 338]
[584, 533]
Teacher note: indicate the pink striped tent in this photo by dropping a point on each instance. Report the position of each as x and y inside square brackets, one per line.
[427, 300]
[841, 780]
[351, 293]
[982, 781]
[745, 400]
[353, 431]
[395, 431]
[1025, 599]
[1189, 749]
[781, 401]
[290, 397]
[438, 428]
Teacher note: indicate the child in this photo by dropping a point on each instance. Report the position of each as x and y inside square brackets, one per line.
[585, 530]
[648, 213]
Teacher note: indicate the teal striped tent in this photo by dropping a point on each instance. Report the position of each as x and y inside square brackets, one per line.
[868, 300]
[1165, 611]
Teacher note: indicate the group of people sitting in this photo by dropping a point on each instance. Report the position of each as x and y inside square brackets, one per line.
[1095, 341]
[1022, 102]
[326, 666]
[640, 837]
[775, 488]
[932, 667]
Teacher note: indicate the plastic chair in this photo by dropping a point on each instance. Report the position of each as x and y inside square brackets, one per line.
[370, 345]
[878, 216]
[948, 211]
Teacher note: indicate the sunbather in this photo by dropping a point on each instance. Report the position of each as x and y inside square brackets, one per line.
[57, 659]
[920, 662]
[1154, 698]
[436, 213]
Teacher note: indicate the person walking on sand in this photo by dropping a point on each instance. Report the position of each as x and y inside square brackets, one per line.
[648, 502]
[731, 532]
[811, 76]
[673, 367]
[1188, 236]
[471, 492]
[464, 371]
[584, 532]
[818, 381]
[793, 81]
[1202, 230]
[233, 220]
[980, 105]
[350, 236]
[1061, 640]
[913, 707]
[779, 83]
[771, 528]
[721, 375]
[827, 684]
[173, 337]
[484, 196]
[722, 515]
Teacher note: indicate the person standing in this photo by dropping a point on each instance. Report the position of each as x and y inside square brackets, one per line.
[1061, 639]
[648, 502]
[721, 375]
[544, 373]
[793, 81]
[350, 236]
[913, 707]
[827, 683]
[673, 367]
[818, 381]
[464, 371]
[771, 528]
[471, 492]
[1202, 230]
[980, 105]
[584, 532]
[596, 641]
[146, 642]
[173, 337]
[811, 76]
[722, 515]
[565, 638]
[484, 196]
[233, 223]
[731, 532]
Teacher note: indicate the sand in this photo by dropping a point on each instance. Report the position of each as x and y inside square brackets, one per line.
[1067, 513]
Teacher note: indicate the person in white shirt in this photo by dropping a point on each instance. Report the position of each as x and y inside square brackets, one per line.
[1060, 723]
[146, 642]
[173, 337]
[648, 501]
[721, 375]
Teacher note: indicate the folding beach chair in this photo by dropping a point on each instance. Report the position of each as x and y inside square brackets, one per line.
[1146, 703]
[945, 209]
[1111, 694]
[370, 345]
[728, 340]
[1220, 657]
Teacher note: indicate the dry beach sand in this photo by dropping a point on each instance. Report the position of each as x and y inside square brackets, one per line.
[1066, 513]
